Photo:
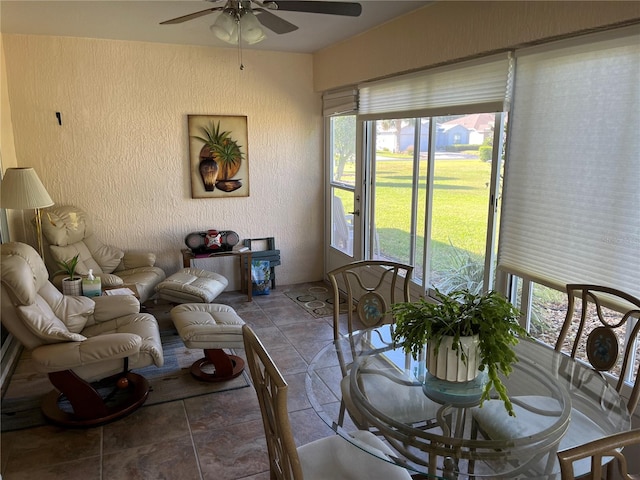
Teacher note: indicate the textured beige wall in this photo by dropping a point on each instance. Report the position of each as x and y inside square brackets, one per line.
[122, 149]
[7, 149]
[449, 30]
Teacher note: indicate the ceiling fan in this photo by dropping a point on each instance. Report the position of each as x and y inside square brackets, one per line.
[241, 19]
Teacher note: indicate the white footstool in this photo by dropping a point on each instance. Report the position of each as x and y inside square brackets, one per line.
[211, 327]
[192, 285]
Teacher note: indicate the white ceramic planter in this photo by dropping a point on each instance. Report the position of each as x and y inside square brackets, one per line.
[447, 366]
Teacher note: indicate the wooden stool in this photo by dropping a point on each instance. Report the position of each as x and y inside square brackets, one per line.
[212, 327]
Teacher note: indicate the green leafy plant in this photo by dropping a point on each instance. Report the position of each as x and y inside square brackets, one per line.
[212, 136]
[459, 314]
[223, 149]
[227, 152]
[69, 267]
[463, 271]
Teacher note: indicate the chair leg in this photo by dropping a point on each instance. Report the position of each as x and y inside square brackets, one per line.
[86, 406]
[225, 366]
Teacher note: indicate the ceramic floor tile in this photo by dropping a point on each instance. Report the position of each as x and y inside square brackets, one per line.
[150, 424]
[174, 460]
[239, 304]
[285, 315]
[309, 330]
[308, 349]
[84, 469]
[45, 446]
[256, 319]
[297, 394]
[288, 359]
[307, 426]
[260, 476]
[323, 394]
[272, 338]
[232, 452]
[222, 409]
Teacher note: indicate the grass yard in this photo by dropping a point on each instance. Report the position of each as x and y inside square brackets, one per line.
[460, 200]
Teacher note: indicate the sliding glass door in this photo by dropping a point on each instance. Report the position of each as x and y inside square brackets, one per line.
[434, 179]
[422, 191]
[343, 205]
[414, 164]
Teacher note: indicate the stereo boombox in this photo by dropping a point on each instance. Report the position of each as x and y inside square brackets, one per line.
[211, 241]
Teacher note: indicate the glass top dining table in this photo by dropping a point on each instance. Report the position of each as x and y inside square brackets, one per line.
[440, 430]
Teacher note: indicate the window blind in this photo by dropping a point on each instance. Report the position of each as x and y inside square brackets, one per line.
[340, 102]
[478, 86]
[571, 201]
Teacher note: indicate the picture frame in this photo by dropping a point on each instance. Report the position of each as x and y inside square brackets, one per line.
[218, 156]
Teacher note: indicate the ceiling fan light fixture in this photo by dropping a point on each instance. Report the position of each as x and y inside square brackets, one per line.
[250, 29]
[226, 27]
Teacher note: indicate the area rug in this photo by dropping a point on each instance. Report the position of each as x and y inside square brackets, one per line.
[172, 381]
[316, 299]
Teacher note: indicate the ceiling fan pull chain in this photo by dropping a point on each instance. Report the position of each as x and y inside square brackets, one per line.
[240, 46]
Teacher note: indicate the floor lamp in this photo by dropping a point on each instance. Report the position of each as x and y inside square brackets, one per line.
[22, 190]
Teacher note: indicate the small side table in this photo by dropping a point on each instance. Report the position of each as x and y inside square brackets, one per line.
[245, 265]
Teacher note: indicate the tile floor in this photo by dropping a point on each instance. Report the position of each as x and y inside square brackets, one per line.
[218, 436]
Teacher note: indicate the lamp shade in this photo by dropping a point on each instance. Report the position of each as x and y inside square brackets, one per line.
[226, 28]
[22, 189]
[232, 26]
[250, 28]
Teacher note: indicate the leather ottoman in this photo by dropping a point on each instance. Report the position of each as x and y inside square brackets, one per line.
[192, 285]
[211, 327]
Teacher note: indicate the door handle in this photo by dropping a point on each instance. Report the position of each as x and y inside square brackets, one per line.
[357, 212]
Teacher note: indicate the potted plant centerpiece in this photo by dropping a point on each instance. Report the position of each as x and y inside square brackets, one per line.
[453, 325]
[71, 285]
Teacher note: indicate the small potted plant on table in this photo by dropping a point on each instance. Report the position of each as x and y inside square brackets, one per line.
[71, 285]
[491, 322]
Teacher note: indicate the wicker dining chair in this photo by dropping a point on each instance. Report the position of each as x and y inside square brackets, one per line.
[368, 289]
[331, 457]
[613, 327]
[610, 446]
[598, 321]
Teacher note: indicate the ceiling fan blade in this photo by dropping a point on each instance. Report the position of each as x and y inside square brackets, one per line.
[351, 9]
[273, 22]
[191, 16]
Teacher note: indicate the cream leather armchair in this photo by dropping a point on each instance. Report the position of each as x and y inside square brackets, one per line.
[69, 232]
[78, 341]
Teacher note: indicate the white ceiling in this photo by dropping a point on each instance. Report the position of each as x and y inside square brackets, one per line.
[140, 21]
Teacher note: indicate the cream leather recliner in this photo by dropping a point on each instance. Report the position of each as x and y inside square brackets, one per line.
[68, 231]
[78, 341]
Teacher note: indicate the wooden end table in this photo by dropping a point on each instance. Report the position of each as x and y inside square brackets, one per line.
[245, 266]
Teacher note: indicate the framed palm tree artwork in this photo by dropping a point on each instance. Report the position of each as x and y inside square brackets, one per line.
[218, 156]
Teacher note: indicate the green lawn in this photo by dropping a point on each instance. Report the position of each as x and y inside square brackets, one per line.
[460, 199]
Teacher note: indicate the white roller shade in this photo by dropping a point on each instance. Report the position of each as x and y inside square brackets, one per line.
[477, 86]
[571, 205]
[340, 102]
